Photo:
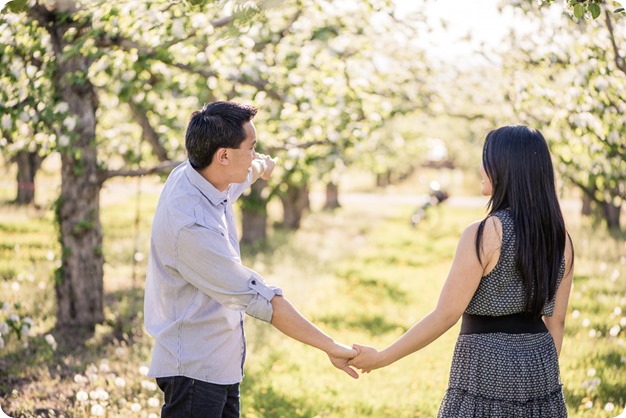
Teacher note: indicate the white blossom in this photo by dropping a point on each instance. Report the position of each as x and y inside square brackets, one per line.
[120, 382]
[82, 396]
[25, 330]
[61, 107]
[64, 141]
[149, 385]
[70, 123]
[178, 29]
[51, 341]
[6, 122]
[79, 378]
[199, 21]
[97, 410]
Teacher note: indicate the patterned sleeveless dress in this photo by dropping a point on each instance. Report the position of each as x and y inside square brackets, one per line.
[505, 373]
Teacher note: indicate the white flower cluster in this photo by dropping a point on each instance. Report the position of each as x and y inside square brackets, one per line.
[14, 324]
[103, 390]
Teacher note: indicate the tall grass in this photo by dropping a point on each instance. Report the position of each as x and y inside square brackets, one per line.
[361, 273]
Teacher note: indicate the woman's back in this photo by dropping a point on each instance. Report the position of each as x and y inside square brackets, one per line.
[501, 291]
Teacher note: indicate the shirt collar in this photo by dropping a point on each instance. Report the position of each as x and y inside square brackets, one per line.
[206, 188]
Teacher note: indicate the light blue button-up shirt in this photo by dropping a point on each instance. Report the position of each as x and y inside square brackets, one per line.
[196, 287]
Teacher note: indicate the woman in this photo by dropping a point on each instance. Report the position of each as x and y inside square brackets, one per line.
[510, 280]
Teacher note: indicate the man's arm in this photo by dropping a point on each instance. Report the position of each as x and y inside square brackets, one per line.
[290, 322]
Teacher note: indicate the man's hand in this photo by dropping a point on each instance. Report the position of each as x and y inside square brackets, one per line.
[265, 165]
[339, 356]
[368, 358]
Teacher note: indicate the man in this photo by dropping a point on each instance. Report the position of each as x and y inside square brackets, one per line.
[197, 290]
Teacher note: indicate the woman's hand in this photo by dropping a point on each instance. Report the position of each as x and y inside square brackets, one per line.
[367, 359]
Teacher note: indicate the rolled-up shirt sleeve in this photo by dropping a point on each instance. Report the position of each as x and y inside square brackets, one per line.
[206, 260]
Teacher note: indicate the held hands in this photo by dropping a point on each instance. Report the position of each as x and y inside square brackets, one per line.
[340, 356]
[359, 356]
[367, 359]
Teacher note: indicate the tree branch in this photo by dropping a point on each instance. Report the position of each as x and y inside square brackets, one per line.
[619, 60]
[290, 145]
[40, 13]
[164, 167]
[282, 33]
[127, 44]
[227, 20]
[149, 133]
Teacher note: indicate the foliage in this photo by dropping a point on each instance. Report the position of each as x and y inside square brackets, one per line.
[587, 8]
[325, 77]
[32, 113]
[570, 82]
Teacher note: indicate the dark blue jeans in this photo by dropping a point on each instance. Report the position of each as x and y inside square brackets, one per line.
[191, 398]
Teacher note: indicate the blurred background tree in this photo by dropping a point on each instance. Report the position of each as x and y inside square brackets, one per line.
[569, 79]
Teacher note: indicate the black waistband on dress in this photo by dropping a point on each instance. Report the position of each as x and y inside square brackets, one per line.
[519, 323]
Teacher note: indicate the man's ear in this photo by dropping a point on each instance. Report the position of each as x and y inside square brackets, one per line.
[221, 156]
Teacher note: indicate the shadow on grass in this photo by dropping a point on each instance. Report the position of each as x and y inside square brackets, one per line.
[374, 285]
[260, 399]
[269, 403]
[373, 324]
[39, 375]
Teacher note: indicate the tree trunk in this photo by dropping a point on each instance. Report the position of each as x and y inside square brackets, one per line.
[295, 201]
[383, 179]
[332, 196]
[587, 208]
[79, 280]
[28, 164]
[254, 214]
[612, 215]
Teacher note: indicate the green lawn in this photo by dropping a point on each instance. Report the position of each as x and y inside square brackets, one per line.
[362, 274]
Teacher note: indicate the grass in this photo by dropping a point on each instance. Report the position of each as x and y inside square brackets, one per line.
[361, 273]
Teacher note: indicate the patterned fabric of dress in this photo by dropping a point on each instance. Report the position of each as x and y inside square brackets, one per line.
[501, 374]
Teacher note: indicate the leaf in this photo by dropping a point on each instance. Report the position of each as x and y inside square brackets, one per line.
[579, 10]
[325, 33]
[620, 10]
[16, 6]
[594, 8]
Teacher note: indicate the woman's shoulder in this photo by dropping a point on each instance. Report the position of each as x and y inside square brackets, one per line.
[492, 224]
[491, 230]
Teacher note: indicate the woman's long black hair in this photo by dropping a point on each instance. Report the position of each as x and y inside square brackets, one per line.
[517, 161]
